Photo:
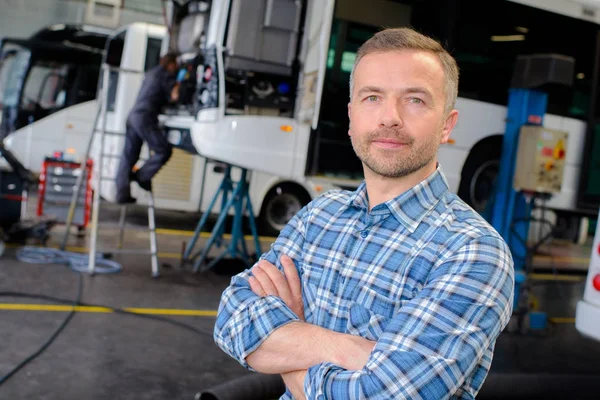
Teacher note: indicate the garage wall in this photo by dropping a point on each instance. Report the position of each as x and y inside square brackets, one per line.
[20, 18]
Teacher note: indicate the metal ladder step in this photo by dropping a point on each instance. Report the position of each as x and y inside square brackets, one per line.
[111, 133]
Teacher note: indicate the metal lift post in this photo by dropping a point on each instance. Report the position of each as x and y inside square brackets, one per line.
[509, 211]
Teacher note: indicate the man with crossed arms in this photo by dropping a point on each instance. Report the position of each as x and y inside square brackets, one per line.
[396, 290]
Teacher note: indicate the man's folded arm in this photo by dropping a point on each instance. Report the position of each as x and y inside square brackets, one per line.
[434, 342]
[244, 319]
[299, 346]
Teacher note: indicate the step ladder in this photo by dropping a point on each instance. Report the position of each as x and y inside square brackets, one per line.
[99, 179]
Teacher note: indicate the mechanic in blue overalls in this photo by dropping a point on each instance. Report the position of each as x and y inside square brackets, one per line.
[159, 88]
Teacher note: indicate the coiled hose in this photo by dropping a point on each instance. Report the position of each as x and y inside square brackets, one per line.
[76, 261]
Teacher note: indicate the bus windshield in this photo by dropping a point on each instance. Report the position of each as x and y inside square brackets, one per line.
[39, 80]
[45, 86]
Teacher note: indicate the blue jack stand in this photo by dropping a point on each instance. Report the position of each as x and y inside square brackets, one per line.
[234, 195]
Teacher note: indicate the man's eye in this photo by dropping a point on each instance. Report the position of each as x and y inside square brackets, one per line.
[416, 100]
[372, 98]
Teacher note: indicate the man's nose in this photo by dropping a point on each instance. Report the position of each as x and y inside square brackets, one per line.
[390, 115]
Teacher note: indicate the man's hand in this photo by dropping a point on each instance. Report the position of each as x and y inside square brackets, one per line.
[175, 93]
[298, 346]
[267, 280]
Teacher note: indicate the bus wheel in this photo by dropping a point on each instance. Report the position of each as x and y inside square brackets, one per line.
[281, 203]
[479, 173]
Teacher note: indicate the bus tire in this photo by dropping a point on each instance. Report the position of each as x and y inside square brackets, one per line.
[281, 203]
[480, 171]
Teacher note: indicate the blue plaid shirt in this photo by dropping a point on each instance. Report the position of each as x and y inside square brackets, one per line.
[422, 274]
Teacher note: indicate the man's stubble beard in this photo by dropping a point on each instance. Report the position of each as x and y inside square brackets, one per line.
[395, 163]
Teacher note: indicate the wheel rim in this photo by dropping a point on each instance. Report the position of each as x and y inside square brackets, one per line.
[280, 209]
[482, 184]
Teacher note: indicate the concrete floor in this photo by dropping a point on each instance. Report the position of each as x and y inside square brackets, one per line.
[103, 355]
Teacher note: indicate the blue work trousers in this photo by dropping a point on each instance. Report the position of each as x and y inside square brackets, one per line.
[141, 129]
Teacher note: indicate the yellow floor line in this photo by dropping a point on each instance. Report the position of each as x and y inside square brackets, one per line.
[156, 311]
[205, 235]
[79, 249]
[552, 277]
[92, 309]
[562, 320]
[163, 231]
[176, 256]
[561, 259]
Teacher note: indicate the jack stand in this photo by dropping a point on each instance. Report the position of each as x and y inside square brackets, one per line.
[234, 195]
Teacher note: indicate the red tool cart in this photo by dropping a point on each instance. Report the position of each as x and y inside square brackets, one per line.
[56, 186]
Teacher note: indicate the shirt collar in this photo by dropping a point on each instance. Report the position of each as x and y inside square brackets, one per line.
[410, 207]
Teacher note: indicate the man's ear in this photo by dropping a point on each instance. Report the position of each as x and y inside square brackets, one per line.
[449, 124]
[349, 116]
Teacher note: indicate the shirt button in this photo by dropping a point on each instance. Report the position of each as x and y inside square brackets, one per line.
[364, 234]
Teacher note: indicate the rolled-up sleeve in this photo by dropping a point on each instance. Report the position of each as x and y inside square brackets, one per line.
[432, 345]
[245, 320]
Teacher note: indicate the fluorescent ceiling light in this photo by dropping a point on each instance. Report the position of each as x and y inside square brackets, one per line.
[521, 29]
[508, 38]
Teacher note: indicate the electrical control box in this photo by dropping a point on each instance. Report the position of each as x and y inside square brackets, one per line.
[540, 159]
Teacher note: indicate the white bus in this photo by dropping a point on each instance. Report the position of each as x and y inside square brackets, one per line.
[187, 182]
[587, 317]
[485, 37]
[48, 86]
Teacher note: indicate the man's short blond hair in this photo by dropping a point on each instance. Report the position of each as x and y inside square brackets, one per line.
[399, 39]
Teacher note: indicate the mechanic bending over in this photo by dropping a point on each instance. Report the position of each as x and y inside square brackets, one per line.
[398, 289]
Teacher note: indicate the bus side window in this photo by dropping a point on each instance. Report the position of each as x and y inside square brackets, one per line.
[152, 53]
[114, 54]
[86, 81]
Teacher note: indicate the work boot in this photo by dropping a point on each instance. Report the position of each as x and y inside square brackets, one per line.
[146, 185]
[125, 200]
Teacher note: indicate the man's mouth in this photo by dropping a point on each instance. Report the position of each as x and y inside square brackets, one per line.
[389, 143]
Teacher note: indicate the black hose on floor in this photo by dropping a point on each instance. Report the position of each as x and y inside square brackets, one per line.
[250, 387]
[54, 335]
[498, 386]
[527, 386]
